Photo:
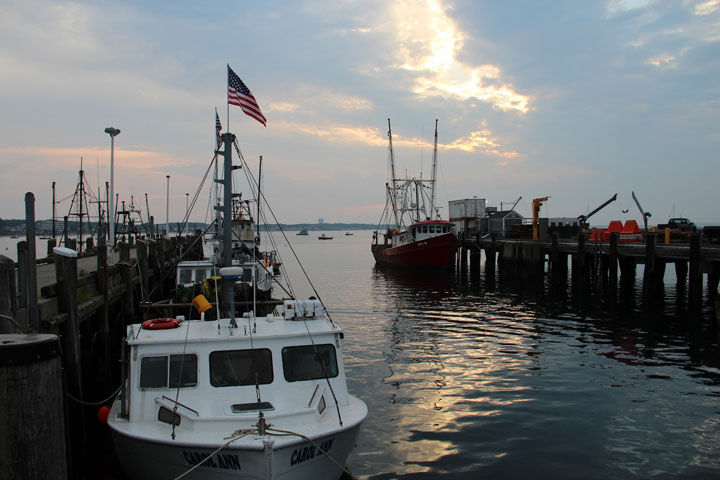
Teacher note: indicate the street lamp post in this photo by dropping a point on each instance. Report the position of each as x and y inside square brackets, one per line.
[113, 132]
[167, 207]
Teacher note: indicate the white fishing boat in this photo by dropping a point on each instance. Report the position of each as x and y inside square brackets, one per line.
[244, 396]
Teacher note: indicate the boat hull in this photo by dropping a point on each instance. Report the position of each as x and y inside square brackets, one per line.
[143, 459]
[433, 252]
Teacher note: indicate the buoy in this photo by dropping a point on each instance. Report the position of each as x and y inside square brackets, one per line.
[103, 414]
[201, 304]
[161, 323]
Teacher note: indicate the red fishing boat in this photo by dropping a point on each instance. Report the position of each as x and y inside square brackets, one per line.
[414, 235]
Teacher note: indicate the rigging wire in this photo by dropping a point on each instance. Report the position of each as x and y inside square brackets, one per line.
[267, 204]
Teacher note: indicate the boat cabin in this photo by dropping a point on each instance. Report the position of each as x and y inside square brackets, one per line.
[430, 228]
[193, 272]
[213, 376]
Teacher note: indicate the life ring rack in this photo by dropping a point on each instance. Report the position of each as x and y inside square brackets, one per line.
[161, 323]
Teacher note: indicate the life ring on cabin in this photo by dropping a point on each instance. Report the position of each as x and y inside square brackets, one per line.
[161, 323]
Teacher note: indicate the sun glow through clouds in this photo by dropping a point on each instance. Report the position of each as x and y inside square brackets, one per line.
[429, 45]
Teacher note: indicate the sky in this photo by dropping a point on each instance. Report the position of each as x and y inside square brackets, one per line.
[572, 100]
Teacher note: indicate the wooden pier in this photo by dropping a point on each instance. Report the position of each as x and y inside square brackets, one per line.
[86, 302]
[597, 266]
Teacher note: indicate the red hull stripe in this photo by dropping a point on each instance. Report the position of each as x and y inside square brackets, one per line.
[433, 252]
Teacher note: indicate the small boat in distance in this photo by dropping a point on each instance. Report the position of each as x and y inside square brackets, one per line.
[348, 233]
[324, 237]
[302, 232]
[414, 236]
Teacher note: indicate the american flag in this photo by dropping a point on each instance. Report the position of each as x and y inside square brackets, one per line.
[239, 94]
[218, 129]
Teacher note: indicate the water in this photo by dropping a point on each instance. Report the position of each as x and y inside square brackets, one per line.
[8, 246]
[476, 379]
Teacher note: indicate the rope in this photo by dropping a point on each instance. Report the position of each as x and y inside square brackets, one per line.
[94, 404]
[12, 320]
[304, 437]
[237, 434]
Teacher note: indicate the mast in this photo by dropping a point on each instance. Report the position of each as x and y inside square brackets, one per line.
[393, 186]
[434, 174]
[53, 209]
[228, 139]
[257, 223]
[257, 244]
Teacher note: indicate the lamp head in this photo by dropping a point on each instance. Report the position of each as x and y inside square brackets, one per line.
[112, 131]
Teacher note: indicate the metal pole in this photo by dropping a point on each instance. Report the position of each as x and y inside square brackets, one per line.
[111, 208]
[53, 210]
[113, 132]
[167, 208]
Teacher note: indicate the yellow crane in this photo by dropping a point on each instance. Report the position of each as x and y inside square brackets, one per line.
[536, 204]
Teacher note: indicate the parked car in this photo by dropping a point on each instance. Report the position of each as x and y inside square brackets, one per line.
[678, 224]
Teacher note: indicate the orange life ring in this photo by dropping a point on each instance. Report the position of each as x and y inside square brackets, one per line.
[161, 323]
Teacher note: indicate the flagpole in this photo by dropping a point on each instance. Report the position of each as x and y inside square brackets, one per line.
[227, 102]
[215, 182]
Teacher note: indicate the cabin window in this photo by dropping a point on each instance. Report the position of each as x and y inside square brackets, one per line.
[301, 363]
[168, 371]
[200, 275]
[233, 368]
[185, 275]
[424, 229]
[432, 229]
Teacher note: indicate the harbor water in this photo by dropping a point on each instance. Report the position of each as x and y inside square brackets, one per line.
[469, 378]
[472, 378]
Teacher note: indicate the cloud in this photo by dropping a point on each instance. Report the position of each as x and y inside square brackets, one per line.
[662, 60]
[707, 7]
[428, 45]
[482, 140]
[55, 157]
[669, 32]
[615, 7]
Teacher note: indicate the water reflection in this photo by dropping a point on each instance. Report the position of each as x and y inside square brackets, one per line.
[474, 377]
[501, 385]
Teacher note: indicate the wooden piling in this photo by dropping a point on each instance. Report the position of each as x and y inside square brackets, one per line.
[51, 244]
[554, 257]
[8, 297]
[141, 253]
[613, 267]
[33, 318]
[128, 297]
[103, 314]
[490, 261]
[474, 262]
[579, 274]
[649, 279]
[22, 273]
[67, 276]
[694, 277]
[32, 420]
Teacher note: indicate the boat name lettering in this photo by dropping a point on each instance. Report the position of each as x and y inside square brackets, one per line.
[303, 454]
[222, 461]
